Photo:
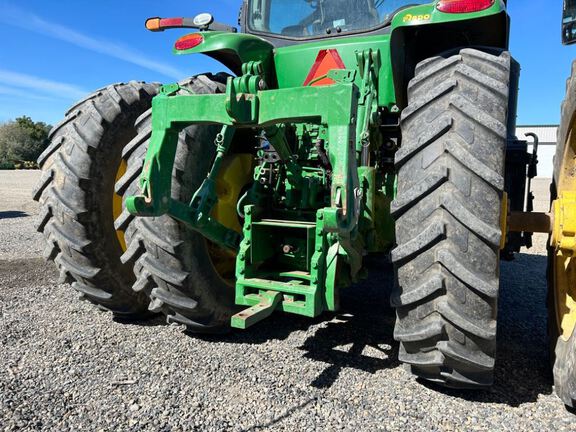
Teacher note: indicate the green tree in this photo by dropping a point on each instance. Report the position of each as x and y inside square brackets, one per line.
[22, 139]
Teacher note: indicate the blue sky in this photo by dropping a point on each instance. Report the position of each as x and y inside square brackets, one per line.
[55, 51]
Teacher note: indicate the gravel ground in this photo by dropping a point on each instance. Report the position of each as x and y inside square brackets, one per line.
[18, 236]
[65, 366]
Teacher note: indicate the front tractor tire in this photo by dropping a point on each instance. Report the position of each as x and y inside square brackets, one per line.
[77, 199]
[448, 210]
[175, 266]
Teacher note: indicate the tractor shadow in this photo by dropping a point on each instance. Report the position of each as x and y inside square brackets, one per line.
[523, 369]
[13, 214]
[360, 336]
[343, 343]
[366, 324]
[154, 320]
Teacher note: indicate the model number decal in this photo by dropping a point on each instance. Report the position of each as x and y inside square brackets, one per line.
[412, 18]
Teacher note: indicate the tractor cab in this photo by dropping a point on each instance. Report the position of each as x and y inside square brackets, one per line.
[287, 21]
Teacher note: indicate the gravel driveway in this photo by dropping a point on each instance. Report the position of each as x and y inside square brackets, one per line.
[65, 366]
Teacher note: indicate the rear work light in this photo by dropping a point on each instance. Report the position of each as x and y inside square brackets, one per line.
[464, 6]
[189, 41]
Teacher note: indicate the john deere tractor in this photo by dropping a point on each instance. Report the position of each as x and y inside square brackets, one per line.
[348, 128]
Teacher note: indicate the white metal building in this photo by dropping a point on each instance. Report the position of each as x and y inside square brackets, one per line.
[547, 146]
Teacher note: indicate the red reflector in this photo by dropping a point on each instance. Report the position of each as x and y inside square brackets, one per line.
[463, 6]
[326, 61]
[171, 22]
[189, 41]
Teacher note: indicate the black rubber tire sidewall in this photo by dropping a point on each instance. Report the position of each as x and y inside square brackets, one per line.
[76, 190]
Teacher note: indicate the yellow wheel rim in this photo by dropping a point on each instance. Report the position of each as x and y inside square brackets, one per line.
[564, 279]
[236, 173]
[563, 261]
[117, 205]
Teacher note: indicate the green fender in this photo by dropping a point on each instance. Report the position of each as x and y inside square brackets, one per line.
[423, 31]
[233, 49]
[429, 14]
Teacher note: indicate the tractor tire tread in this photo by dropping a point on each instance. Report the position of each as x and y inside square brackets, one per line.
[72, 169]
[450, 187]
[159, 246]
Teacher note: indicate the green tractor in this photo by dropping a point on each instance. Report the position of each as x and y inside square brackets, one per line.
[350, 128]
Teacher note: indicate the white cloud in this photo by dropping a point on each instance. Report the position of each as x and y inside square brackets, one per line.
[21, 93]
[19, 18]
[44, 86]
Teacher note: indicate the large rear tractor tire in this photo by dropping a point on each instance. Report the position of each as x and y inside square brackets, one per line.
[78, 205]
[562, 266]
[448, 213]
[188, 279]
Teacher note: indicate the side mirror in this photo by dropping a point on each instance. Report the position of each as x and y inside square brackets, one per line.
[569, 22]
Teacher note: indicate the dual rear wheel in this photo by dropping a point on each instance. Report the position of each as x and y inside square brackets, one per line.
[132, 267]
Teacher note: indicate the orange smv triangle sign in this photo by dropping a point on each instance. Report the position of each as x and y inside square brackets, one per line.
[326, 61]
